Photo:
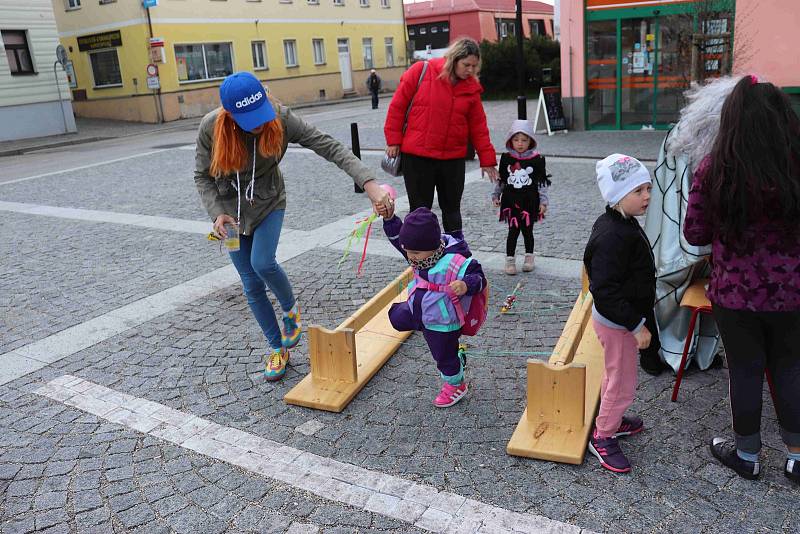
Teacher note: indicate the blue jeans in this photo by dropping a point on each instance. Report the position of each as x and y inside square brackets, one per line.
[258, 268]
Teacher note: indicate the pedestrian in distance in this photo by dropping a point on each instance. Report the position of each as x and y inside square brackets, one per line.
[521, 192]
[239, 148]
[745, 202]
[446, 113]
[622, 280]
[446, 280]
[374, 84]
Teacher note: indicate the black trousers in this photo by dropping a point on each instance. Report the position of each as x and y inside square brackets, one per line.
[513, 234]
[374, 99]
[445, 176]
[755, 341]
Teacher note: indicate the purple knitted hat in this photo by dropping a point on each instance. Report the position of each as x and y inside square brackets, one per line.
[420, 230]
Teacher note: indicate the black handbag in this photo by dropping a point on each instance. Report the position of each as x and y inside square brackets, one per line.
[394, 165]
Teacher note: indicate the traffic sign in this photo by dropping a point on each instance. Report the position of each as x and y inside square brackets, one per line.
[153, 82]
[152, 70]
[150, 3]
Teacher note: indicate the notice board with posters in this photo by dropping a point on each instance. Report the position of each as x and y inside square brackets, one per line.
[553, 112]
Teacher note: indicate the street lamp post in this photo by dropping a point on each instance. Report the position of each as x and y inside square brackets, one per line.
[522, 112]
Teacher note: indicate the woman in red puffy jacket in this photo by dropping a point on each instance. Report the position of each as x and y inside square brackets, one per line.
[445, 115]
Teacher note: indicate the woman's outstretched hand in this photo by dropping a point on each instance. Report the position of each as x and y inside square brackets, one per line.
[392, 151]
[382, 203]
[491, 172]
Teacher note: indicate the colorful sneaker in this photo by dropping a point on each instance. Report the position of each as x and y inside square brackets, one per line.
[630, 425]
[276, 364]
[527, 265]
[608, 452]
[725, 452]
[450, 394]
[792, 470]
[290, 336]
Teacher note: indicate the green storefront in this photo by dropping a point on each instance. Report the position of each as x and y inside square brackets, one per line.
[639, 60]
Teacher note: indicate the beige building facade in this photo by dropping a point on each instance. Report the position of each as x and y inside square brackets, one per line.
[166, 62]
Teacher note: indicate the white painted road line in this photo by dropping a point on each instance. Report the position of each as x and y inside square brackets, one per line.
[91, 165]
[423, 506]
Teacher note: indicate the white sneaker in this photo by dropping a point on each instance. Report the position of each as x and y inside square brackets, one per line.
[528, 265]
[511, 265]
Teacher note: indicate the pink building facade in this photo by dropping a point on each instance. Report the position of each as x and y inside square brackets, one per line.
[625, 64]
[434, 24]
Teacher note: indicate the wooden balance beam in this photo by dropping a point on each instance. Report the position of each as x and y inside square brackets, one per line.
[345, 359]
[564, 393]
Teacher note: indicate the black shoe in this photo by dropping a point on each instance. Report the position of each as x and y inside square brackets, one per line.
[792, 470]
[725, 452]
[651, 363]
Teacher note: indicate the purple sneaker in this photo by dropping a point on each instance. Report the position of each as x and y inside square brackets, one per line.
[630, 425]
[608, 452]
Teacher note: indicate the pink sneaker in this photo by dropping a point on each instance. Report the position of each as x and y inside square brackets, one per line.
[450, 394]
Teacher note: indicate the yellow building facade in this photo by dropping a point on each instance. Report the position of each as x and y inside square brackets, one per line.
[166, 62]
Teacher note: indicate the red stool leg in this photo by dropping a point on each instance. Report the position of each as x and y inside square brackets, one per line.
[685, 355]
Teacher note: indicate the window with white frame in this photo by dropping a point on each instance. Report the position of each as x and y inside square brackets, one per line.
[105, 68]
[313, 2]
[259, 49]
[363, 3]
[18, 53]
[389, 44]
[366, 44]
[385, 4]
[72, 4]
[319, 51]
[290, 52]
[338, 2]
[204, 61]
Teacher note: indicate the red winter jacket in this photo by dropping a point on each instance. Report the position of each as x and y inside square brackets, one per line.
[443, 116]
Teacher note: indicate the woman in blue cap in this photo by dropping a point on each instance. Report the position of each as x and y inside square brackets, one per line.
[239, 147]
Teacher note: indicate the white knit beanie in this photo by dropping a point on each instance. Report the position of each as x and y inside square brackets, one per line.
[618, 175]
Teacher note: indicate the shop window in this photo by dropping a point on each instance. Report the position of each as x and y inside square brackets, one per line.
[366, 43]
[207, 61]
[389, 44]
[105, 68]
[319, 51]
[290, 52]
[259, 55]
[18, 53]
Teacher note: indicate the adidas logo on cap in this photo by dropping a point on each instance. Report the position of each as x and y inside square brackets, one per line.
[246, 101]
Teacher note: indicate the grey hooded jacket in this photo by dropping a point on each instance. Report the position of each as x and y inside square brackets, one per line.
[269, 193]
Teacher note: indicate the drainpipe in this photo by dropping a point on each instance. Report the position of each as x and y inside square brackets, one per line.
[160, 108]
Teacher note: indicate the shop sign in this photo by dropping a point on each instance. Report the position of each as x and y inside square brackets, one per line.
[97, 41]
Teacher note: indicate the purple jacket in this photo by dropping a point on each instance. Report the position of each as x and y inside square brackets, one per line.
[763, 274]
[410, 316]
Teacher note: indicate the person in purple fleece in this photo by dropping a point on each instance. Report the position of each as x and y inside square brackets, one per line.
[431, 300]
[745, 202]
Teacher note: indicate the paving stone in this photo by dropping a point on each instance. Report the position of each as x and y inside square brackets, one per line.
[138, 515]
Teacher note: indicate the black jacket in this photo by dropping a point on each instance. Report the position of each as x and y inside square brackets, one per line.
[621, 269]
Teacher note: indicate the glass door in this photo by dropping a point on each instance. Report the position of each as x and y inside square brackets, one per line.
[674, 63]
[601, 74]
[638, 89]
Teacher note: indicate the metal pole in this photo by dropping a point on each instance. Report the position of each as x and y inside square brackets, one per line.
[157, 92]
[356, 144]
[521, 106]
[60, 103]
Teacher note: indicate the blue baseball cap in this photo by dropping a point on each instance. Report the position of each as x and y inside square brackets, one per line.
[243, 96]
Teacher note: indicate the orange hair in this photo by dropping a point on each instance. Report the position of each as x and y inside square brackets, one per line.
[229, 153]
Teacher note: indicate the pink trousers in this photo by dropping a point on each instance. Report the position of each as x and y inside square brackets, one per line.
[619, 378]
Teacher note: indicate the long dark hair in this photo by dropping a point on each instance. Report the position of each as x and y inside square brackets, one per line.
[755, 161]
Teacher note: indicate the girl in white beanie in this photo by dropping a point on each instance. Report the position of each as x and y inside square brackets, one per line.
[622, 279]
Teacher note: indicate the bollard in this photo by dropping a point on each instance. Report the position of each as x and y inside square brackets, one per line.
[522, 108]
[356, 144]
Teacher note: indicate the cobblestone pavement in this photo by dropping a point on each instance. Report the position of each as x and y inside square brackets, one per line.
[64, 468]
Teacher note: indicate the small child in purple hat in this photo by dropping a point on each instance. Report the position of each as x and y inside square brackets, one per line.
[429, 308]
